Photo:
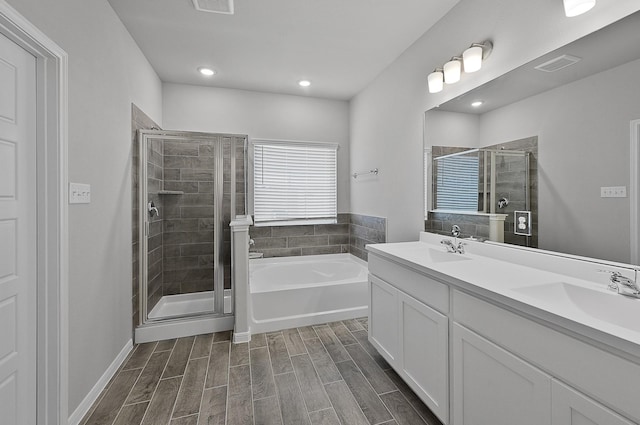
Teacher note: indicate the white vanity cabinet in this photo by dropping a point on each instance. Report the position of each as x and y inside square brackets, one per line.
[504, 363]
[475, 358]
[493, 387]
[383, 318]
[411, 335]
[569, 407]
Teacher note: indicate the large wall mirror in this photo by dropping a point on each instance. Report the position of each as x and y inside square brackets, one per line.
[573, 112]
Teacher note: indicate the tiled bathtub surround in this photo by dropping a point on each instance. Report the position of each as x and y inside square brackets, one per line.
[349, 234]
[470, 225]
[365, 229]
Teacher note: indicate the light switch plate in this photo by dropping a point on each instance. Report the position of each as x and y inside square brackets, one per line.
[613, 192]
[79, 193]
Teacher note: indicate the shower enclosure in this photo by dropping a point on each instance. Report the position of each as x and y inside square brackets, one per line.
[191, 185]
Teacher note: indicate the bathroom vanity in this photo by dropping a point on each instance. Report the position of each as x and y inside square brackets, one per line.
[501, 335]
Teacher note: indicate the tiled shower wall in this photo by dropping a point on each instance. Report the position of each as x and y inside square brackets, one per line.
[349, 235]
[139, 121]
[189, 167]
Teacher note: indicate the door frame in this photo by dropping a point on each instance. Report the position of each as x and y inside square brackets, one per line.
[52, 196]
[634, 191]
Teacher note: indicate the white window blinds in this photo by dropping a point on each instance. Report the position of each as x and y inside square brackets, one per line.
[294, 181]
[457, 182]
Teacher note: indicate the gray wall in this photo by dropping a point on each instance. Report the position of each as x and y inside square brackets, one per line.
[107, 72]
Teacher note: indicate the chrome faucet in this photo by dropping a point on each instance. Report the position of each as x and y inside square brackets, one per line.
[622, 284]
[455, 246]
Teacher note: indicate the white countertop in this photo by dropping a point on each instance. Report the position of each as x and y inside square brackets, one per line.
[561, 297]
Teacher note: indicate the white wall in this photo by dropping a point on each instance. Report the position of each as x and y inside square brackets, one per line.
[262, 116]
[387, 117]
[444, 128]
[107, 72]
[583, 144]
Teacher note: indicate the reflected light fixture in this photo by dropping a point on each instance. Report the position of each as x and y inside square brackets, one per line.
[206, 71]
[435, 80]
[477, 103]
[577, 7]
[472, 57]
[452, 70]
[304, 83]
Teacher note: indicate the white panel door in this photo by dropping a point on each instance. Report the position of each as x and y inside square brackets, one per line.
[383, 318]
[569, 407]
[424, 353]
[18, 256]
[493, 387]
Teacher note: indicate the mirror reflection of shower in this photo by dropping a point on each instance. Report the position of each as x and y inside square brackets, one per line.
[468, 184]
[191, 186]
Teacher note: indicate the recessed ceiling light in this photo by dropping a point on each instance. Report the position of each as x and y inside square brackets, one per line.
[477, 103]
[206, 71]
[304, 83]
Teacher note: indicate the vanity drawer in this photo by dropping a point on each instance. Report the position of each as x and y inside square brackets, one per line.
[604, 376]
[419, 286]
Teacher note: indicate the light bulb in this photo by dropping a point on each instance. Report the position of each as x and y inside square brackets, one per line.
[435, 82]
[304, 83]
[206, 71]
[452, 71]
[472, 59]
[577, 7]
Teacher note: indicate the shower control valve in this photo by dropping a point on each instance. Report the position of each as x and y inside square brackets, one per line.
[153, 211]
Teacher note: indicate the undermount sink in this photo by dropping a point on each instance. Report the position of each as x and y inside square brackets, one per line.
[443, 256]
[598, 303]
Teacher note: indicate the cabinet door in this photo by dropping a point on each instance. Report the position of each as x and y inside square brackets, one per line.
[383, 318]
[493, 387]
[569, 407]
[424, 351]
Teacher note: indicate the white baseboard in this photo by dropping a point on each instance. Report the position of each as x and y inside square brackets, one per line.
[95, 392]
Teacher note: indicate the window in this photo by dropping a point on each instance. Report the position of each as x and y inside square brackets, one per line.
[456, 181]
[294, 182]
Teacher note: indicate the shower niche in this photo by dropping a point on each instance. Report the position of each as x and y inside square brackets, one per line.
[191, 185]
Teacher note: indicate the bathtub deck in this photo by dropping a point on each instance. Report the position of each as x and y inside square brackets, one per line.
[325, 374]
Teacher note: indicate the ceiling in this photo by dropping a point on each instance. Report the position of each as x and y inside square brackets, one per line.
[609, 47]
[269, 45]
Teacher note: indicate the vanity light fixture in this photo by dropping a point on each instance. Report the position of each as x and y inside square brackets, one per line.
[304, 83]
[435, 80]
[452, 70]
[577, 7]
[477, 103]
[470, 61]
[206, 71]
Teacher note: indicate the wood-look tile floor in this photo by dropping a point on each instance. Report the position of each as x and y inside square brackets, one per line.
[317, 375]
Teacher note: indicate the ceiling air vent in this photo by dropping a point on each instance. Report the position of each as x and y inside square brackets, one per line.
[214, 6]
[558, 63]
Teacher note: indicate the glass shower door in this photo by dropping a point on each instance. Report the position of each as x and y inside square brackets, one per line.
[184, 218]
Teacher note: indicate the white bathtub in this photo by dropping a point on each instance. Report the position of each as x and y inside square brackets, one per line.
[290, 292]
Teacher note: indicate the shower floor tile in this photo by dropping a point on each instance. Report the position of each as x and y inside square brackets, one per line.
[324, 374]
